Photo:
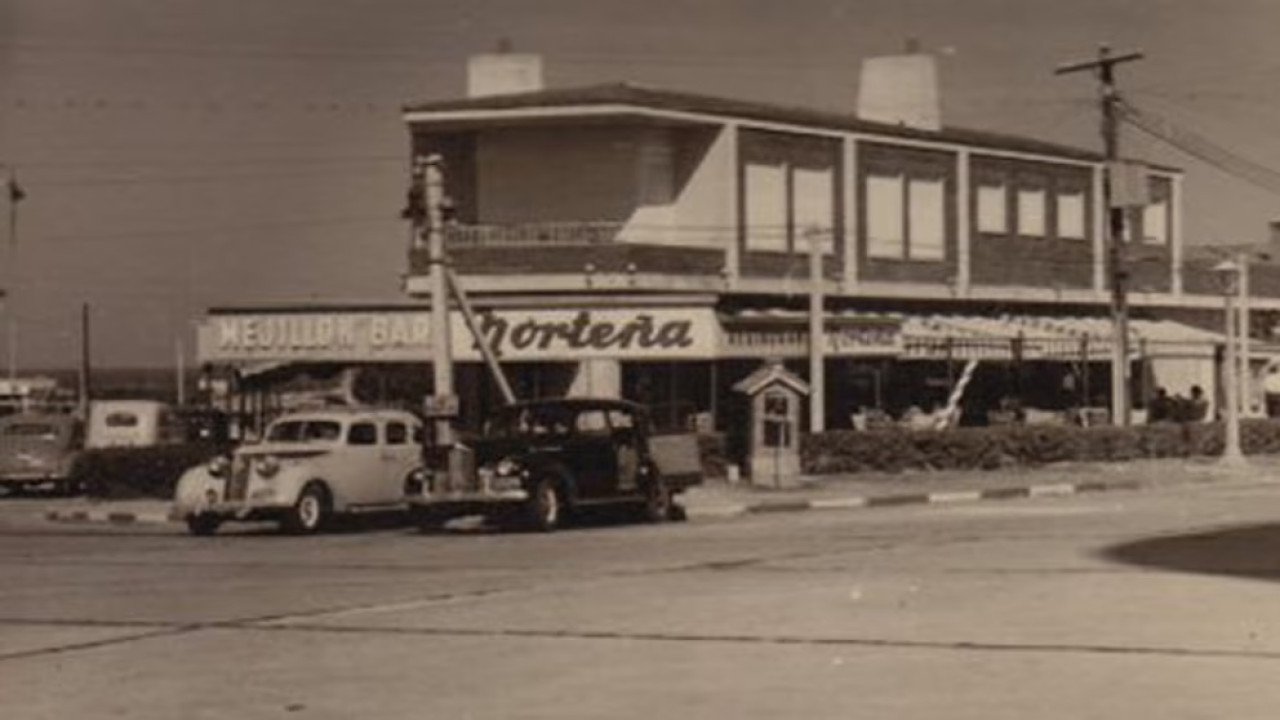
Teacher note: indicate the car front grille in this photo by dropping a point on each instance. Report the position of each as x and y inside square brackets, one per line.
[238, 480]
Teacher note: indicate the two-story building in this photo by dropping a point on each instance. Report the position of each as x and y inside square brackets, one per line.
[655, 245]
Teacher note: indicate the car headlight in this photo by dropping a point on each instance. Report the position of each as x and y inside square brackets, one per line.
[506, 467]
[267, 466]
[219, 466]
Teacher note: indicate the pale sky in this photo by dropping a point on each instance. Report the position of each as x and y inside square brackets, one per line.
[182, 154]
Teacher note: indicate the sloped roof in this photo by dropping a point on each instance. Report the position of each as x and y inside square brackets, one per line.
[642, 97]
[770, 374]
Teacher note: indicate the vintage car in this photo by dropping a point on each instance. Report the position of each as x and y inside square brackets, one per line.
[540, 461]
[308, 466]
[40, 449]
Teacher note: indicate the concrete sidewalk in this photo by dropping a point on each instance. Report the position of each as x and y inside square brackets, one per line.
[873, 490]
[835, 492]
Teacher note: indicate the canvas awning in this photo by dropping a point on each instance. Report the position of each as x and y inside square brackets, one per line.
[1063, 338]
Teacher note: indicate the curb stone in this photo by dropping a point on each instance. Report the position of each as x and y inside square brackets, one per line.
[853, 502]
[725, 509]
[108, 517]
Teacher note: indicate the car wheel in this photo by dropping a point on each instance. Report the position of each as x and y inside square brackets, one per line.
[204, 524]
[310, 512]
[543, 511]
[657, 501]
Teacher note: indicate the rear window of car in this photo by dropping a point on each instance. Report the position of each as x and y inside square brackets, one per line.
[31, 430]
[121, 420]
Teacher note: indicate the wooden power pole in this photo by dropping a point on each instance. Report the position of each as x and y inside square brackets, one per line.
[1104, 68]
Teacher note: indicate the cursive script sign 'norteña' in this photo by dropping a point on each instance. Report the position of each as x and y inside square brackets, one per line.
[584, 333]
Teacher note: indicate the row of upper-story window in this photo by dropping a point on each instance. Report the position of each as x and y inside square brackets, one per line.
[906, 198]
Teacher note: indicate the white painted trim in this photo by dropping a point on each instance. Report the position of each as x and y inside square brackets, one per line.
[964, 239]
[852, 240]
[1175, 235]
[623, 109]
[733, 254]
[702, 285]
[564, 112]
[578, 283]
[1100, 226]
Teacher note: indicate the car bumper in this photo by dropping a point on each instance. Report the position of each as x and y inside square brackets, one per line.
[31, 477]
[470, 497]
[229, 510]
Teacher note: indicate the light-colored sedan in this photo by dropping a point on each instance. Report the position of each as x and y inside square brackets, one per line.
[309, 466]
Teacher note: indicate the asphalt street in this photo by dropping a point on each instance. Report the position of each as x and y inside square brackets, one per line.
[1123, 604]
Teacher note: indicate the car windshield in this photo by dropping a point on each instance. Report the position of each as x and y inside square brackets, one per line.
[548, 420]
[304, 431]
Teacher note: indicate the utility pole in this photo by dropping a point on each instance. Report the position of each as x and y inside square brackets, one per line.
[1104, 68]
[85, 381]
[426, 193]
[817, 336]
[16, 195]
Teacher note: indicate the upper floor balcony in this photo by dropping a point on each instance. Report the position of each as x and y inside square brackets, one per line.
[574, 255]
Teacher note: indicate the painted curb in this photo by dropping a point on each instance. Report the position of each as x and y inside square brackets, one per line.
[107, 517]
[731, 509]
[859, 502]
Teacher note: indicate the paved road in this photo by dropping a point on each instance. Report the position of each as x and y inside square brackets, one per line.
[1148, 604]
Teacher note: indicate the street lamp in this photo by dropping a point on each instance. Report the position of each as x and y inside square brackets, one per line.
[1228, 272]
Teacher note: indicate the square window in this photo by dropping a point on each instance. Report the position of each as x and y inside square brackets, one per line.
[886, 231]
[766, 207]
[927, 221]
[1155, 223]
[814, 207]
[1071, 219]
[1031, 212]
[993, 209]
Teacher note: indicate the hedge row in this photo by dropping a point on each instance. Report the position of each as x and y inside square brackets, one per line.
[894, 450]
[130, 472]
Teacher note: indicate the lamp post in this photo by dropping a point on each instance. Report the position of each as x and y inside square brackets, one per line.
[1228, 272]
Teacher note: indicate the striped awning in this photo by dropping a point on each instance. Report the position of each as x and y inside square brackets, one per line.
[945, 336]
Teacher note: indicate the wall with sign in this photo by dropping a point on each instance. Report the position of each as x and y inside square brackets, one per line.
[516, 335]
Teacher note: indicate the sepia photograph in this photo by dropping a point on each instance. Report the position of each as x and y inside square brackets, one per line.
[635, 359]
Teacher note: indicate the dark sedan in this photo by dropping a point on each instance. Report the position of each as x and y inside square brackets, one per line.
[38, 449]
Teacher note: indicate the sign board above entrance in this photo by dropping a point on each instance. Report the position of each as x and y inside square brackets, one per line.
[405, 335]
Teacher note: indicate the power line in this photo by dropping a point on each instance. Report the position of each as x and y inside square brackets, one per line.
[1202, 148]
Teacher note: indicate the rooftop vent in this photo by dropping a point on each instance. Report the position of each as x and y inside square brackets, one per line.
[503, 72]
[901, 90]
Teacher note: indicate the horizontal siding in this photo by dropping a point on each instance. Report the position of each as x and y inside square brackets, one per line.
[1006, 261]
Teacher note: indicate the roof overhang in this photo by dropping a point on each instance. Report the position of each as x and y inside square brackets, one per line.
[581, 114]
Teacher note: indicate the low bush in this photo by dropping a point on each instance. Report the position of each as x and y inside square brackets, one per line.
[712, 449]
[133, 472]
[895, 449]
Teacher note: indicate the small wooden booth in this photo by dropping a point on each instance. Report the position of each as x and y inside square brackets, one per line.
[776, 396]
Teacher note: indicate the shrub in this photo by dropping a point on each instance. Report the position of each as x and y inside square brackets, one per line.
[895, 449]
[130, 472]
[711, 448]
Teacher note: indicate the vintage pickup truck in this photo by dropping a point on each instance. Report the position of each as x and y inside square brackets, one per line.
[539, 461]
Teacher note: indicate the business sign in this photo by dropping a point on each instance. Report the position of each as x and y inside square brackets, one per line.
[576, 334]
[316, 337]
[789, 337]
[405, 335]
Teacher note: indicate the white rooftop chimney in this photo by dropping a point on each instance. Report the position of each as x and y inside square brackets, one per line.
[901, 90]
[503, 73]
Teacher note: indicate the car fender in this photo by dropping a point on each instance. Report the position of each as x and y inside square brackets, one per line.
[192, 486]
[558, 473]
[290, 482]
